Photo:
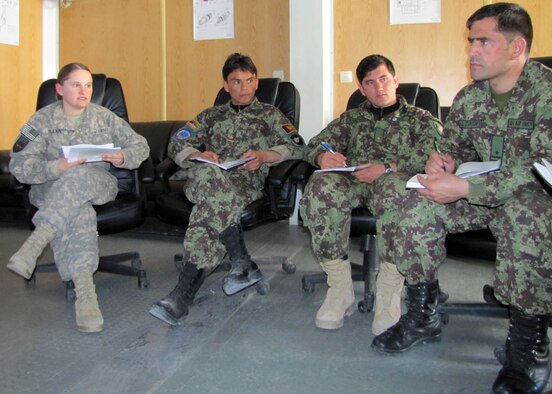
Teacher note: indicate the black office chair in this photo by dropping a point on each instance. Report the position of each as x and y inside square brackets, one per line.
[128, 209]
[278, 201]
[363, 222]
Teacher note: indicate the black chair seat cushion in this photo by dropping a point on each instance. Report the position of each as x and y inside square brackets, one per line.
[477, 244]
[362, 222]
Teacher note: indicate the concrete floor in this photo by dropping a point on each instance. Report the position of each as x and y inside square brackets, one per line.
[247, 343]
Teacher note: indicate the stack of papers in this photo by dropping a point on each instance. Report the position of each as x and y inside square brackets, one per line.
[464, 170]
[545, 170]
[89, 152]
[227, 165]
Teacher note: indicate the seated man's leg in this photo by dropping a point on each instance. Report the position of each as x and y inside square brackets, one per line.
[219, 199]
[523, 280]
[326, 209]
[386, 204]
[418, 252]
[58, 205]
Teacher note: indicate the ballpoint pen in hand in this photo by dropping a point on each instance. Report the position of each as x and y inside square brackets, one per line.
[440, 154]
[327, 147]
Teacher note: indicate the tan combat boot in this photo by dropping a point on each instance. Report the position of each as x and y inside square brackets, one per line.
[23, 262]
[340, 297]
[87, 311]
[389, 285]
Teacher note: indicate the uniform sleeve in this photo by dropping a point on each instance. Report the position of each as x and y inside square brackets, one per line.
[286, 139]
[28, 162]
[335, 134]
[134, 146]
[425, 130]
[188, 139]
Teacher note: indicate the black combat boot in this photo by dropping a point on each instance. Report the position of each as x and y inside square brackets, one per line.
[176, 304]
[527, 357]
[244, 271]
[422, 322]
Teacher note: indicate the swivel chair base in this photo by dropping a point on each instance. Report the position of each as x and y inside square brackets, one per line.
[111, 264]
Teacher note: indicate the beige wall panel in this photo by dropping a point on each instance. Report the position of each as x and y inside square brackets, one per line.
[22, 71]
[194, 67]
[121, 39]
[433, 54]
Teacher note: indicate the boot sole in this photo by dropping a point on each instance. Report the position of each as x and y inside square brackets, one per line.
[161, 313]
[14, 267]
[90, 329]
[233, 288]
[334, 325]
[391, 352]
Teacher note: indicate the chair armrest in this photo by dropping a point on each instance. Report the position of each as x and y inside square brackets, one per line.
[281, 172]
[165, 169]
[302, 172]
[147, 171]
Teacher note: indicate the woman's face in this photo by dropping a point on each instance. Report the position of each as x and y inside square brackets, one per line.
[76, 91]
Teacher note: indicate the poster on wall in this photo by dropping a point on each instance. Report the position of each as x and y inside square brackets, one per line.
[414, 11]
[213, 19]
[9, 22]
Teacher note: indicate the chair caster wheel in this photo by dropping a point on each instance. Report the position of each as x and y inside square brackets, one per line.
[288, 267]
[308, 287]
[262, 287]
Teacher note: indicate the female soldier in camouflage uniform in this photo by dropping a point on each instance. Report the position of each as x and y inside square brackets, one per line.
[63, 191]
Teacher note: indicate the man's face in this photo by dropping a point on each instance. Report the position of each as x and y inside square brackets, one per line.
[76, 91]
[490, 51]
[242, 86]
[380, 87]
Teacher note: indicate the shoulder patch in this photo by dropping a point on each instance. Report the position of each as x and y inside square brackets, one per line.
[26, 134]
[183, 133]
[296, 139]
[193, 124]
[289, 128]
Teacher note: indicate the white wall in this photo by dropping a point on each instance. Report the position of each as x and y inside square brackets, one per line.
[50, 39]
[311, 61]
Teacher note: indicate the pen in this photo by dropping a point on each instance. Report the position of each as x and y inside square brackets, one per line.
[440, 154]
[327, 147]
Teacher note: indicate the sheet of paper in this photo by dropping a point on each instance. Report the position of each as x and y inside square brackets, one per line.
[342, 169]
[89, 152]
[227, 165]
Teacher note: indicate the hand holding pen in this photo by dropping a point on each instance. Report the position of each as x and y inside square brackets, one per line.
[439, 162]
[330, 158]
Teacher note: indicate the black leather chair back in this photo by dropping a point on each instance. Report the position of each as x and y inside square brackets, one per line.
[106, 92]
[546, 60]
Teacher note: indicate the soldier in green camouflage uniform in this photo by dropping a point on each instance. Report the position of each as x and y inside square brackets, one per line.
[390, 137]
[505, 114]
[244, 127]
[65, 192]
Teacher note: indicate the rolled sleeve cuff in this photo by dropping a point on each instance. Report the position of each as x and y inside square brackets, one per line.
[284, 153]
[477, 191]
[182, 156]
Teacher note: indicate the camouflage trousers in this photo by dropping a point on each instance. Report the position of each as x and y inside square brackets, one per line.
[329, 200]
[66, 205]
[522, 228]
[219, 197]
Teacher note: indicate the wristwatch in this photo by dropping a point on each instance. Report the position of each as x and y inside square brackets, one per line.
[388, 169]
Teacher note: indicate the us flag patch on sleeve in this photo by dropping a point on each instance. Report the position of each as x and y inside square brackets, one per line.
[26, 134]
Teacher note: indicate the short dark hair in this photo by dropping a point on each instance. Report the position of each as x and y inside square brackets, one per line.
[237, 61]
[68, 69]
[370, 63]
[510, 19]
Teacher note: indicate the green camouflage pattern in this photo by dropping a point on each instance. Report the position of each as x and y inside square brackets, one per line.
[513, 202]
[405, 137]
[65, 201]
[220, 196]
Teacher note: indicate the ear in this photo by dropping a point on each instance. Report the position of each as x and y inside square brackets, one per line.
[225, 86]
[58, 89]
[519, 46]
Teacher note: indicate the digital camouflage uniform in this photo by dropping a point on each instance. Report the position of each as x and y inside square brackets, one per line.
[405, 137]
[512, 202]
[65, 201]
[220, 196]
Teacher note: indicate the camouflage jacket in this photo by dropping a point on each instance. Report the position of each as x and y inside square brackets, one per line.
[519, 134]
[35, 155]
[229, 134]
[405, 137]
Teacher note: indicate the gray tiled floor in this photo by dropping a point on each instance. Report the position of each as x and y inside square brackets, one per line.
[247, 343]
